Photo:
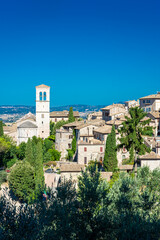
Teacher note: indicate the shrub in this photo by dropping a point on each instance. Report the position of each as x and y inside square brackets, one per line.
[3, 177]
[50, 163]
[11, 162]
[22, 181]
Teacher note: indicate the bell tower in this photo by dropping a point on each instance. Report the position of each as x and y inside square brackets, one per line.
[43, 110]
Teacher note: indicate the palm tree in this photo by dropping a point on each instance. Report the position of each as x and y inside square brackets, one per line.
[132, 132]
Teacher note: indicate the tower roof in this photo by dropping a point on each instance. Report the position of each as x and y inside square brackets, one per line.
[42, 86]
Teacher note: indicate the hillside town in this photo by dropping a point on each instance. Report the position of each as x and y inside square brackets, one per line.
[90, 134]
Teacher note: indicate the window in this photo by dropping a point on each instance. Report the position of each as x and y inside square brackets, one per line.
[70, 137]
[69, 145]
[84, 139]
[85, 160]
[42, 122]
[143, 101]
[42, 116]
[40, 96]
[148, 109]
[55, 119]
[101, 149]
[42, 131]
[85, 149]
[60, 135]
[44, 96]
[148, 101]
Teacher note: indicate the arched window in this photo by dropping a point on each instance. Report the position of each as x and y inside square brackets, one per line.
[40, 96]
[44, 96]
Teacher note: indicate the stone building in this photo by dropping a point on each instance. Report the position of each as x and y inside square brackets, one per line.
[31, 125]
[91, 150]
[150, 103]
[57, 116]
[95, 115]
[132, 103]
[152, 160]
[43, 111]
[113, 111]
[155, 121]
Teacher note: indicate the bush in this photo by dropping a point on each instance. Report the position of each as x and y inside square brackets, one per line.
[51, 163]
[55, 154]
[22, 181]
[3, 176]
[70, 154]
[11, 162]
[127, 162]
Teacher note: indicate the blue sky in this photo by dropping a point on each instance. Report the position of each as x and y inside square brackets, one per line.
[89, 52]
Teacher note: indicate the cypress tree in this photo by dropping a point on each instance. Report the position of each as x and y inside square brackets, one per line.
[1, 128]
[110, 158]
[39, 174]
[29, 153]
[71, 116]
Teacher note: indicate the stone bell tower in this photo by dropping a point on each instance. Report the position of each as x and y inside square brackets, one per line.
[43, 110]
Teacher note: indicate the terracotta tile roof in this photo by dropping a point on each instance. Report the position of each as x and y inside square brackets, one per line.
[91, 142]
[74, 124]
[153, 96]
[150, 156]
[96, 122]
[42, 86]
[27, 124]
[126, 167]
[113, 106]
[63, 114]
[115, 122]
[155, 114]
[27, 116]
[106, 129]
[72, 167]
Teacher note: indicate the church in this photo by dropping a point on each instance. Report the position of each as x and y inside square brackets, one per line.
[31, 125]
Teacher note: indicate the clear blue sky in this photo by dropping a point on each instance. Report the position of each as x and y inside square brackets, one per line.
[89, 52]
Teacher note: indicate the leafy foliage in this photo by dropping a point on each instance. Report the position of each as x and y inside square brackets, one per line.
[133, 130]
[22, 181]
[3, 176]
[110, 158]
[71, 116]
[1, 129]
[129, 209]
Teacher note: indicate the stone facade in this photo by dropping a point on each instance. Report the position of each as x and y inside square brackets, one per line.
[57, 116]
[92, 150]
[43, 110]
[152, 160]
[25, 130]
[112, 111]
[150, 103]
[63, 141]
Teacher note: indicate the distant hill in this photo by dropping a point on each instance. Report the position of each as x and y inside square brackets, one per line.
[10, 113]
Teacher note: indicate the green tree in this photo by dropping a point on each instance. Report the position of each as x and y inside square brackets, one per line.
[21, 149]
[74, 142]
[1, 129]
[132, 132]
[91, 195]
[110, 158]
[55, 154]
[29, 157]
[71, 116]
[39, 174]
[22, 181]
